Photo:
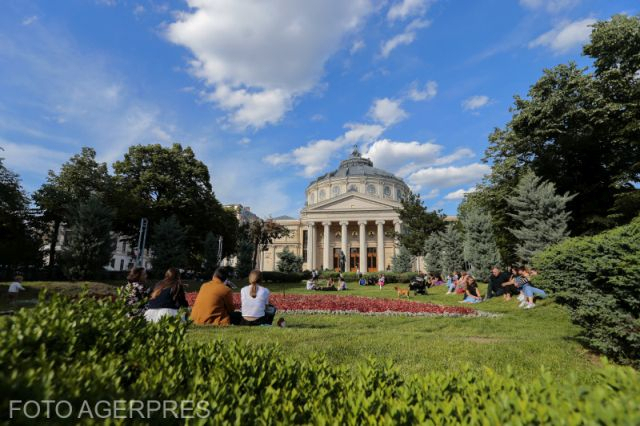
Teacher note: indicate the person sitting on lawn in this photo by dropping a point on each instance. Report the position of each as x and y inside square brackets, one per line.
[254, 302]
[461, 285]
[452, 281]
[472, 292]
[167, 297]
[214, 302]
[342, 284]
[14, 288]
[381, 281]
[528, 289]
[362, 281]
[371, 280]
[135, 293]
[496, 281]
[311, 284]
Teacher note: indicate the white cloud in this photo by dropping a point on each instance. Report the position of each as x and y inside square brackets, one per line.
[551, 6]
[29, 20]
[357, 46]
[446, 177]
[429, 91]
[259, 56]
[459, 194]
[406, 8]
[459, 154]
[244, 141]
[315, 156]
[387, 111]
[27, 158]
[565, 36]
[400, 156]
[475, 102]
[406, 37]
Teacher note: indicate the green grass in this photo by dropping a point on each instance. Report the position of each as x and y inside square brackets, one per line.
[524, 340]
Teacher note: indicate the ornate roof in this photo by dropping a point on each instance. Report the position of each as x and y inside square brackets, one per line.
[356, 165]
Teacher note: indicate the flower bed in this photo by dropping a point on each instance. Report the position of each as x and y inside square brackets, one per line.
[334, 304]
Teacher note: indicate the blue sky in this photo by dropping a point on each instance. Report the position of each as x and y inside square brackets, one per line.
[272, 93]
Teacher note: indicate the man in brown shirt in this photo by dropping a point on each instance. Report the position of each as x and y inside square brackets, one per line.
[214, 302]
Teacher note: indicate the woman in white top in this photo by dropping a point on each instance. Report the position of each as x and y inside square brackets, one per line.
[254, 300]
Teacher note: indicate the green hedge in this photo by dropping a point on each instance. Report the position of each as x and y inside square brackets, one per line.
[598, 278]
[285, 277]
[390, 277]
[88, 350]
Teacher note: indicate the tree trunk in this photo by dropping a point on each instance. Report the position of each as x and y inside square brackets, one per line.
[52, 247]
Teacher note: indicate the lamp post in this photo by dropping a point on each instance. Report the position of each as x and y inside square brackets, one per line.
[142, 241]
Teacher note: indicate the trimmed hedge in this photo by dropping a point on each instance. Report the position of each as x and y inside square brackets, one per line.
[285, 277]
[598, 278]
[88, 350]
[390, 277]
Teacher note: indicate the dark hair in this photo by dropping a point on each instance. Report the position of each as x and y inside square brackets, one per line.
[171, 280]
[221, 273]
[136, 274]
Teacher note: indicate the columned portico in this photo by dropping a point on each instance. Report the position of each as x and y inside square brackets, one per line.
[363, 245]
[311, 241]
[325, 244]
[344, 234]
[397, 226]
[380, 245]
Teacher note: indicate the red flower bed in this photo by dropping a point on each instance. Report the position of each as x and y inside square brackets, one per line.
[297, 303]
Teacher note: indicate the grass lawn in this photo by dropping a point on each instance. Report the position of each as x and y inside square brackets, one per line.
[524, 340]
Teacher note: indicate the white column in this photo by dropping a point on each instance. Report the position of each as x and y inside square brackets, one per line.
[363, 245]
[380, 248]
[310, 241]
[397, 227]
[344, 244]
[325, 243]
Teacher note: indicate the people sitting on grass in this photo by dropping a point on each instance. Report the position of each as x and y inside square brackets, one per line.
[254, 300]
[452, 282]
[214, 302]
[167, 297]
[435, 280]
[362, 281]
[135, 293]
[472, 292]
[372, 280]
[330, 286]
[461, 284]
[14, 288]
[342, 284]
[528, 290]
[497, 279]
[311, 284]
[381, 281]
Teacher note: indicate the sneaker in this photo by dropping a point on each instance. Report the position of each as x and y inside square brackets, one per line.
[521, 297]
[522, 304]
[530, 306]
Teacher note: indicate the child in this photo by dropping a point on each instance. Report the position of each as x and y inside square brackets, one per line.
[381, 281]
[14, 288]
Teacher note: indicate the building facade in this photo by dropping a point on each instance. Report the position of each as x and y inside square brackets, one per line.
[350, 216]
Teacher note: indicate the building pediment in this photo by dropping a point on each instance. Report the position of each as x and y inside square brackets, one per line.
[352, 202]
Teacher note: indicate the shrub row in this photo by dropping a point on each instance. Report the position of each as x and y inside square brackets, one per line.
[597, 278]
[88, 350]
[390, 277]
[285, 277]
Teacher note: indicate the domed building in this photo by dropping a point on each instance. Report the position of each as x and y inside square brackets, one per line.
[350, 211]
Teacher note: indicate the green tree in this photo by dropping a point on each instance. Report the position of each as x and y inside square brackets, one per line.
[403, 261]
[417, 224]
[579, 130]
[79, 179]
[263, 233]
[479, 247]
[289, 262]
[433, 247]
[451, 256]
[211, 253]
[89, 241]
[18, 239]
[244, 250]
[540, 214]
[168, 242]
[156, 182]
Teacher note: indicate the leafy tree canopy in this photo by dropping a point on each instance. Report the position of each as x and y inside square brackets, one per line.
[417, 224]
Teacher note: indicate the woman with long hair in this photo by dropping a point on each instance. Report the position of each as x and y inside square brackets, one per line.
[472, 292]
[254, 298]
[135, 292]
[167, 297]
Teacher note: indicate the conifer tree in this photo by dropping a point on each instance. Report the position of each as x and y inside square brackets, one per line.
[433, 247]
[403, 261]
[90, 244]
[451, 258]
[168, 245]
[479, 248]
[289, 262]
[211, 252]
[541, 215]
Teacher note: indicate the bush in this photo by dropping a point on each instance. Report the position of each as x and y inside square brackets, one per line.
[88, 350]
[597, 278]
[285, 277]
[390, 277]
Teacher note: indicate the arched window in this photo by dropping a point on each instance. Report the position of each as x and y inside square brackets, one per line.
[322, 195]
[399, 195]
[312, 199]
[387, 191]
[353, 188]
[336, 191]
[371, 189]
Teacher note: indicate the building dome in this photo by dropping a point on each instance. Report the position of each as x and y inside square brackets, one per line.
[356, 174]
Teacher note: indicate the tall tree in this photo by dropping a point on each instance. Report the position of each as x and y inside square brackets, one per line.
[244, 250]
[89, 243]
[451, 256]
[479, 248]
[79, 179]
[403, 261]
[211, 253]
[168, 240]
[540, 214]
[579, 130]
[157, 182]
[263, 233]
[433, 247]
[417, 224]
[289, 262]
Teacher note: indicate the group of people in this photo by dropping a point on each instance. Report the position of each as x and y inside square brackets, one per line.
[213, 305]
[314, 284]
[501, 283]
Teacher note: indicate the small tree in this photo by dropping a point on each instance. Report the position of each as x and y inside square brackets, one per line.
[263, 233]
[289, 262]
[479, 248]
[168, 245]
[403, 261]
[90, 243]
[451, 256]
[541, 215]
[417, 224]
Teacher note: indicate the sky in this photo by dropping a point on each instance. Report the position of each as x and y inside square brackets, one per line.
[273, 93]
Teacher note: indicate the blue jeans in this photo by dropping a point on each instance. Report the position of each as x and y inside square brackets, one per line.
[530, 291]
[470, 299]
[451, 287]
